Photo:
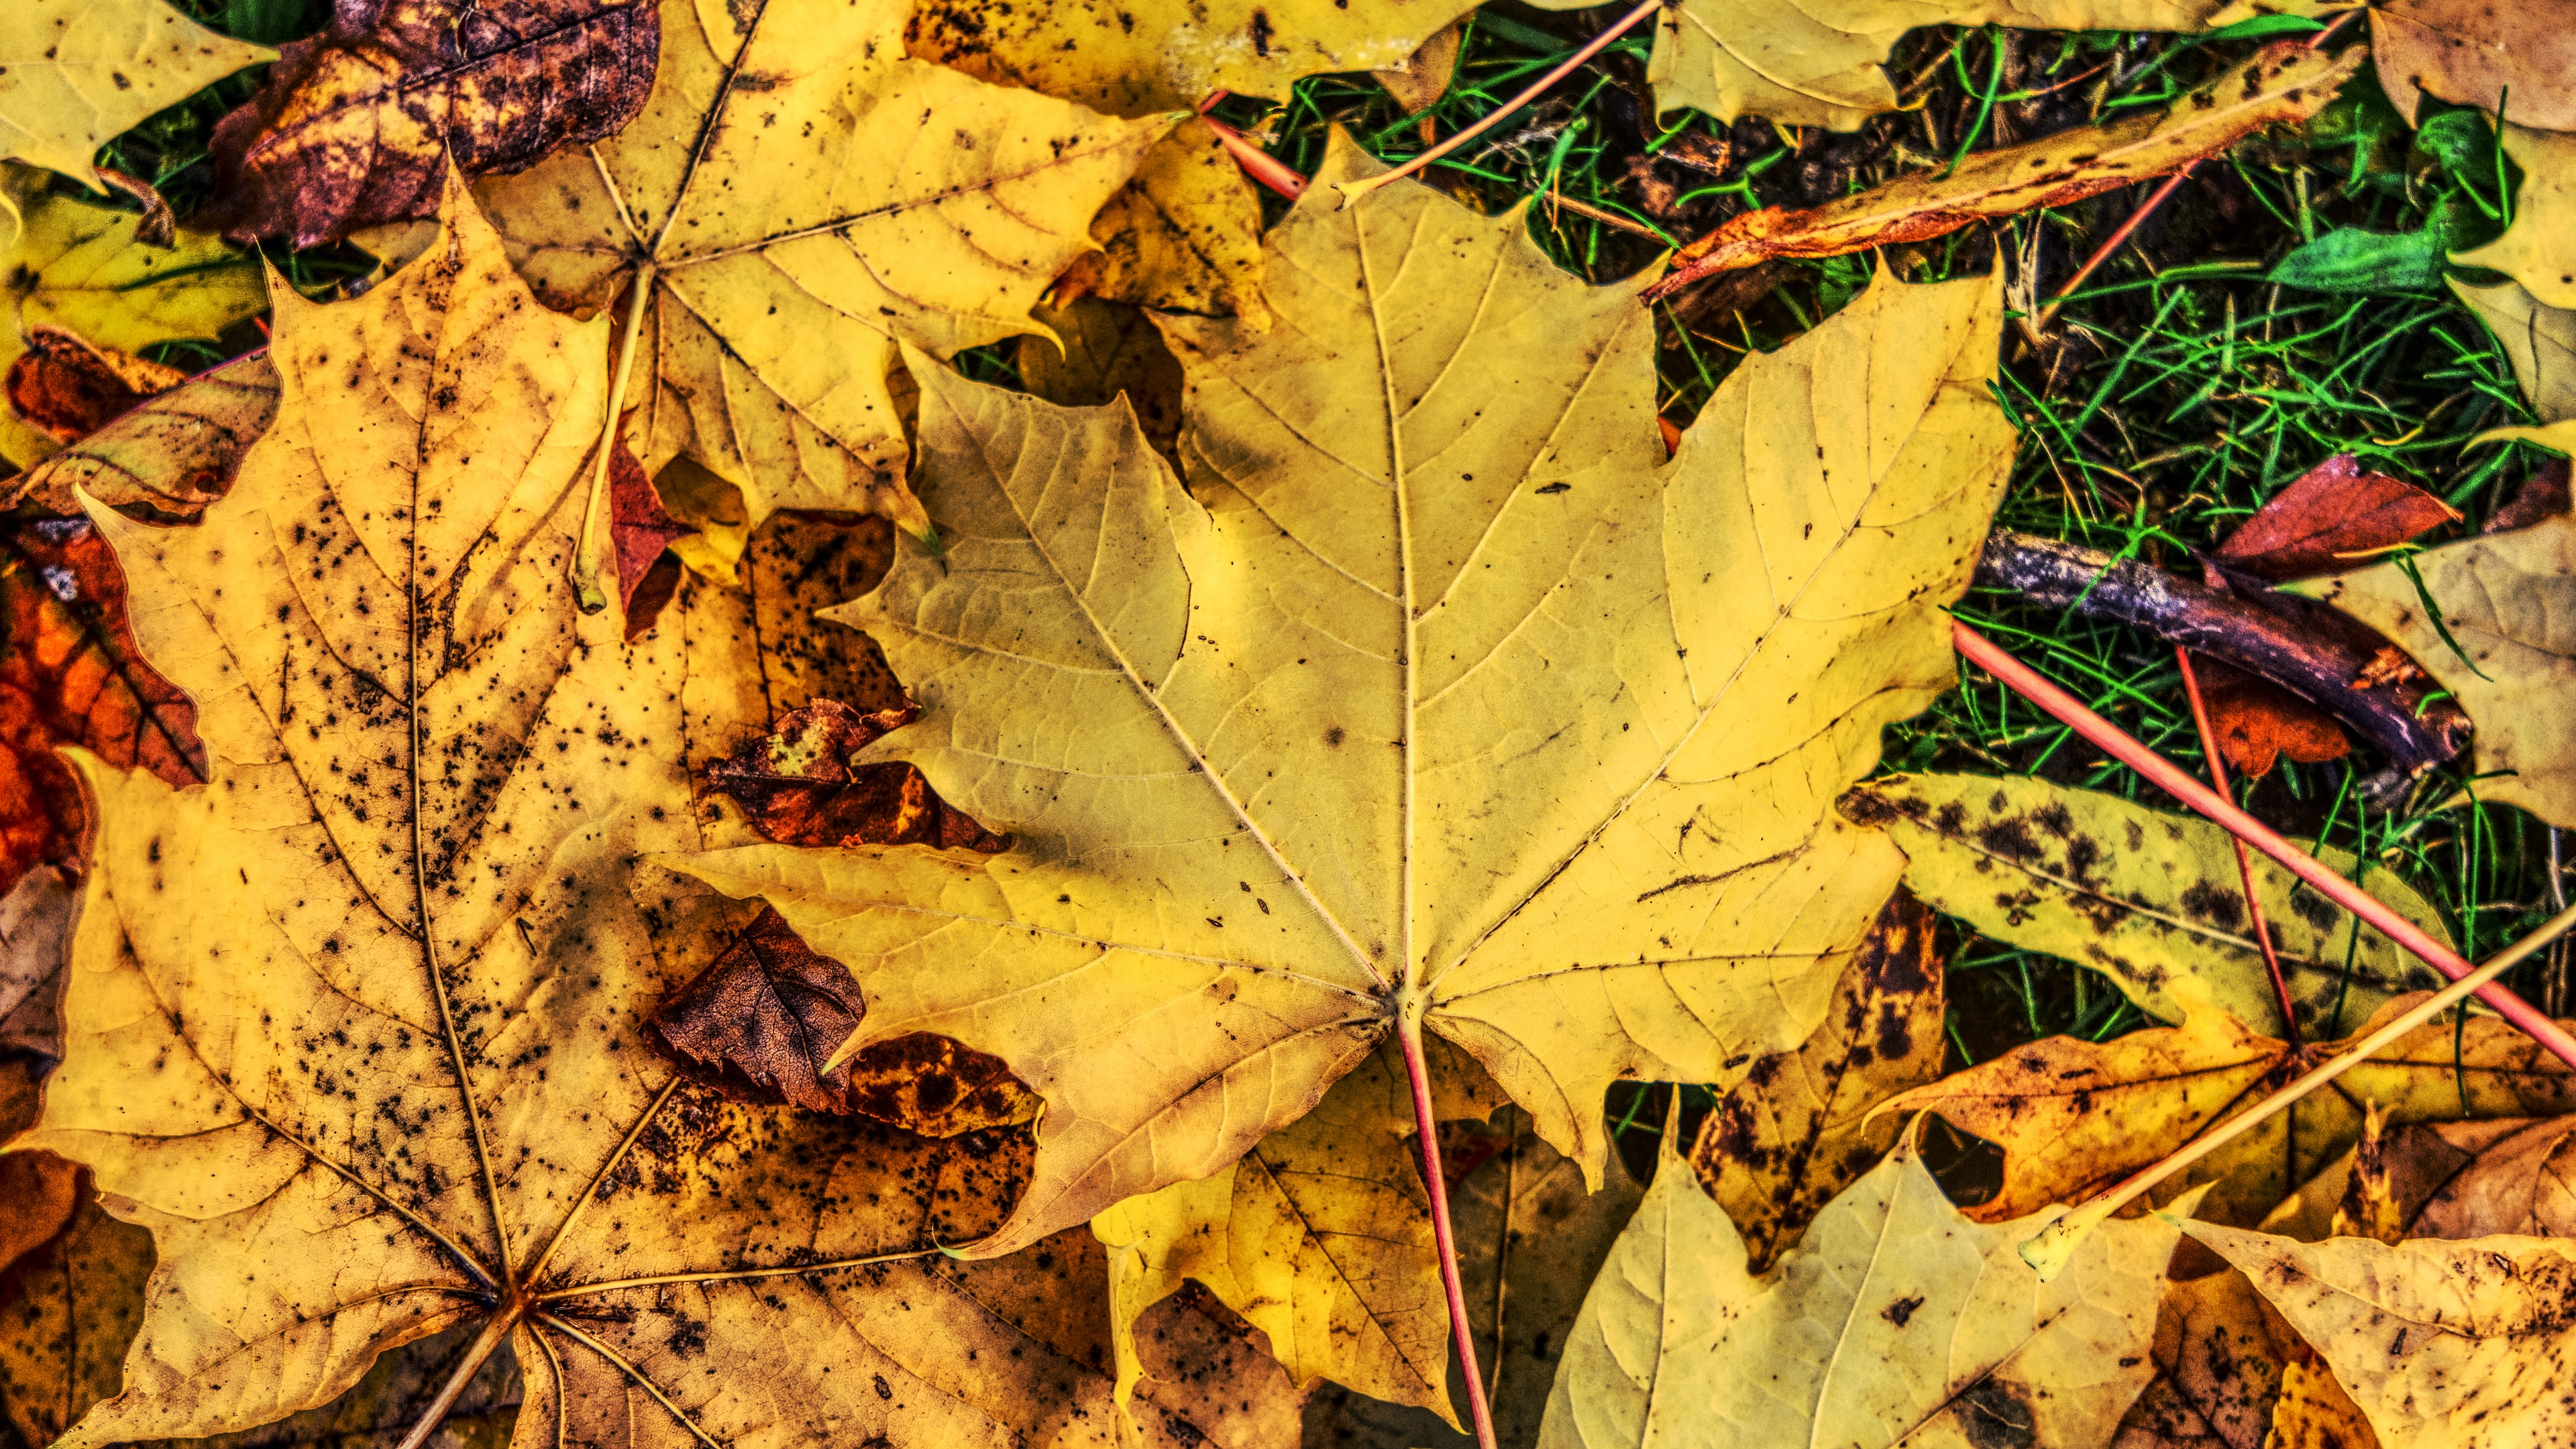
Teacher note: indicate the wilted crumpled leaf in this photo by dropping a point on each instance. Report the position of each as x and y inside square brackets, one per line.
[70, 675]
[1895, 1320]
[2508, 601]
[2074, 1116]
[1798, 1129]
[172, 454]
[2284, 82]
[69, 388]
[1816, 62]
[391, 1083]
[794, 225]
[2150, 898]
[1385, 628]
[1320, 1237]
[2218, 1362]
[357, 125]
[2328, 515]
[1530, 1238]
[78, 267]
[78, 72]
[2475, 54]
[2443, 1345]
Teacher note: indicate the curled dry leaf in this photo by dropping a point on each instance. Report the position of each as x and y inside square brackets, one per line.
[2443, 1345]
[70, 675]
[2074, 1116]
[1213, 902]
[79, 268]
[357, 126]
[2472, 53]
[391, 1083]
[2218, 1359]
[2508, 603]
[1895, 1320]
[2152, 899]
[1798, 1129]
[803, 784]
[69, 388]
[2284, 82]
[81, 71]
[170, 456]
[790, 225]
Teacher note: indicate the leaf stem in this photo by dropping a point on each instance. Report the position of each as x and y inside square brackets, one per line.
[586, 563]
[1408, 1033]
[2255, 924]
[2117, 743]
[1353, 190]
[2054, 1246]
[494, 1334]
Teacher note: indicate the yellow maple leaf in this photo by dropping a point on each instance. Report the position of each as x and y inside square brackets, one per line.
[78, 266]
[74, 73]
[356, 1028]
[1446, 711]
[798, 199]
[2504, 645]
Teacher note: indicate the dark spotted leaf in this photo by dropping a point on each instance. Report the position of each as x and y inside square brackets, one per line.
[168, 457]
[801, 786]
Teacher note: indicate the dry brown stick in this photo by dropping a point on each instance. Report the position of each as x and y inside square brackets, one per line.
[2330, 672]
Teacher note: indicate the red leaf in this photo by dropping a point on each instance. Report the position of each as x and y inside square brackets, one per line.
[2325, 521]
[636, 522]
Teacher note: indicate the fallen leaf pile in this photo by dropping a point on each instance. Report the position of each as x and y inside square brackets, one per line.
[603, 840]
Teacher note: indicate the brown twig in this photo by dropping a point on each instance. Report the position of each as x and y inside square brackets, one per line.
[2328, 671]
[2244, 860]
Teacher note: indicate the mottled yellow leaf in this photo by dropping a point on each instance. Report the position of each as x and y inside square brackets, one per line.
[2314, 1412]
[74, 73]
[1446, 705]
[2508, 601]
[1895, 1321]
[78, 266]
[1184, 235]
[2218, 1359]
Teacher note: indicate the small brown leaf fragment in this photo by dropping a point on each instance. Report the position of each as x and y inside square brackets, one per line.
[2328, 517]
[37, 1195]
[801, 787]
[2285, 82]
[36, 919]
[358, 125]
[637, 522]
[2258, 721]
[2480, 53]
[1797, 1131]
[71, 388]
[2543, 495]
[170, 456]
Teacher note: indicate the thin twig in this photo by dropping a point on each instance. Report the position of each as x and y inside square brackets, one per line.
[2244, 860]
[2054, 1246]
[2162, 773]
[1480, 1416]
[2112, 243]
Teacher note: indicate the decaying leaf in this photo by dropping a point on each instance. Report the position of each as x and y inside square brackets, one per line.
[2508, 602]
[1147, 56]
[2073, 1116]
[79, 268]
[1419, 80]
[790, 223]
[2328, 516]
[1798, 1129]
[2284, 82]
[639, 527]
[2476, 54]
[80, 71]
[1184, 235]
[2539, 249]
[803, 784]
[67, 1312]
[1406, 720]
[1530, 1238]
[2150, 898]
[1896, 1320]
[391, 1083]
[357, 126]
[171, 455]
[2443, 1345]
[2472, 1179]
[70, 675]
[2540, 341]
[1320, 1237]
[69, 388]
[37, 1196]
[1816, 62]
[1107, 350]
[2218, 1360]
[2314, 1412]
